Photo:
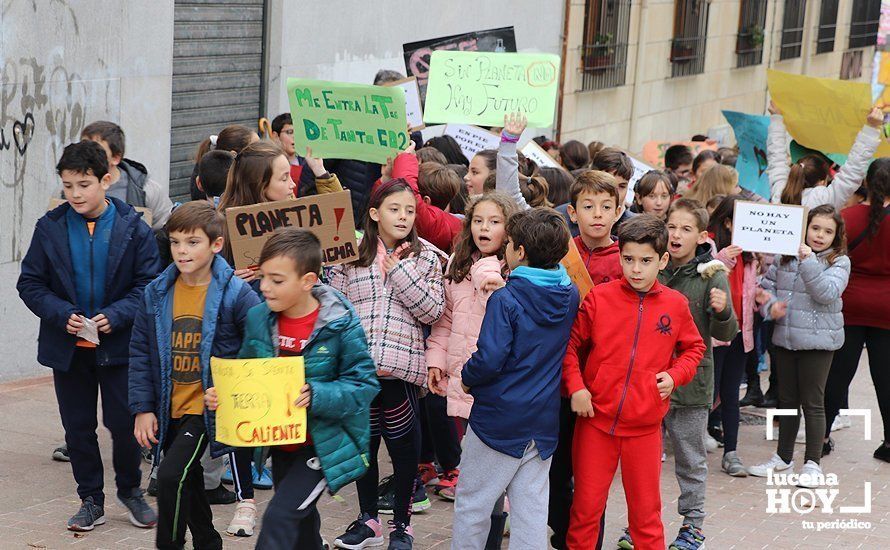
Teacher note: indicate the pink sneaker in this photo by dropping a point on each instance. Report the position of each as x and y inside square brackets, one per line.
[401, 536]
[361, 533]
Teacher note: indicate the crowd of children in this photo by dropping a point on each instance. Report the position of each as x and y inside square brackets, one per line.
[457, 337]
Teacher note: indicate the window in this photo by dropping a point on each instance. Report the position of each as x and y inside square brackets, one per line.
[604, 53]
[690, 37]
[749, 44]
[864, 23]
[827, 26]
[792, 29]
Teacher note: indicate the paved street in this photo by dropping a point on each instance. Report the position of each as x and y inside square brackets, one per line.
[38, 494]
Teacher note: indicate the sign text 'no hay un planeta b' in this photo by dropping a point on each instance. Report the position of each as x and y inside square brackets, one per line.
[348, 121]
[481, 87]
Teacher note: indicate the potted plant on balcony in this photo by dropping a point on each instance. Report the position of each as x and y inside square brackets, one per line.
[750, 39]
[602, 54]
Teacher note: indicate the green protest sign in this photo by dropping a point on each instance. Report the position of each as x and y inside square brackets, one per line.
[347, 121]
[481, 87]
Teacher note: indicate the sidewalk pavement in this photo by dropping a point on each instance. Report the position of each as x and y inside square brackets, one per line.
[38, 495]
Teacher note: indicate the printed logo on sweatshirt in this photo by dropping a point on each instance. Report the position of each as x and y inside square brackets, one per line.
[664, 324]
[185, 349]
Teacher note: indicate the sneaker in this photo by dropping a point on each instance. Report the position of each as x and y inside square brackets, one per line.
[841, 422]
[733, 466]
[625, 542]
[448, 480]
[827, 447]
[770, 401]
[882, 452]
[244, 521]
[717, 434]
[148, 455]
[427, 472]
[364, 532]
[262, 480]
[419, 501]
[711, 444]
[139, 512]
[448, 493]
[60, 454]
[384, 486]
[401, 536]
[152, 487]
[689, 538]
[810, 476]
[220, 495]
[89, 516]
[775, 463]
[227, 476]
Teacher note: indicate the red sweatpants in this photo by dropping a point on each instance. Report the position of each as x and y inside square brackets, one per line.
[595, 456]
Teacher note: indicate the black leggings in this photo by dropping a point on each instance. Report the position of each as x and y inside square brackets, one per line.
[394, 418]
[729, 366]
[240, 461]
[439, 433]
[843, 368]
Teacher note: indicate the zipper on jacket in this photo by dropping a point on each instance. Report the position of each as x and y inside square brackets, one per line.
[92, 276]
[630, 367]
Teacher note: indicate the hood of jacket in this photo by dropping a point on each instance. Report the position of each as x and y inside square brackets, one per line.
[543, 293]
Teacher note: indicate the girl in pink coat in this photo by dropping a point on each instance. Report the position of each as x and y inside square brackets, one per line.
[474, 270]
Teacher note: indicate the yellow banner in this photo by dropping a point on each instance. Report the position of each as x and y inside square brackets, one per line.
[821, 113]
[256, 401]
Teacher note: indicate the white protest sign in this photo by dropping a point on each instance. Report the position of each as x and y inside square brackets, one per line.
[413, 110]
[640, 169]
[472, 139]
[768, 228]
[533, 152]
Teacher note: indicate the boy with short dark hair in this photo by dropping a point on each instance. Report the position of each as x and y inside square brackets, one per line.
[302, 316]
[615, 162]
[196, 308]
[283, 133]
[213, 172]
[89, 261]
[129, 179]
[678, 159]
[514, 378]
[693, 271]
[620, 392]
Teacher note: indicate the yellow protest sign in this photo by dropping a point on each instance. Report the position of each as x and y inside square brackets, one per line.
[822, 113]
[256, 401]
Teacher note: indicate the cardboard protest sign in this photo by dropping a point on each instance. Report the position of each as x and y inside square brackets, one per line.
[577, 270]
[55, 202]
[821, 113]
[413, 108]
[256, 401]
[348, 121]
[539, 156]
[750, 134]
[329, 216]
[653, 151]
[417, 54]
[472, 139]
[480, 87]
[768, 228]
[640, 169]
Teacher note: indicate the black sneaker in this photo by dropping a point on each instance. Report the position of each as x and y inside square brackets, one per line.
[717, 434]
[361, 533]
[385, 486]
[148, 455]
[882, 452]
[140, 513]
[89, 516]
[827, 447]
[152, 487]
[60, 454]
[401, 536]
[220, 495]
[386, 503]
[419, 501]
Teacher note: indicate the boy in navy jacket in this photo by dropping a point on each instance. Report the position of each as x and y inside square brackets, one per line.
[86, 268]
[514, 378]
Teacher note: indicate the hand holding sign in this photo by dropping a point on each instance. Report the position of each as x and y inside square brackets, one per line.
[768, 228]
[314, 164]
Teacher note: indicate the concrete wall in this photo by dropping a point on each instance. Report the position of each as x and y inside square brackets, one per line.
[65, 64]
[351, 41]
[654, 106]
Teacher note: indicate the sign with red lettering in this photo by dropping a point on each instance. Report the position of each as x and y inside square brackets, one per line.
[329, 216]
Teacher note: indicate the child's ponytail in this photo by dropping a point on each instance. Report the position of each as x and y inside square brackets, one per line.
[535, 190]
[807, 172]
[231, 138]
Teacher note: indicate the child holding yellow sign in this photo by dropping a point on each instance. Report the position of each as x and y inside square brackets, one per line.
[304, 317]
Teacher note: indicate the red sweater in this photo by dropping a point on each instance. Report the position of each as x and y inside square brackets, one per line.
[867, 297]
[603, 264]
[628, 338]
[432, 223]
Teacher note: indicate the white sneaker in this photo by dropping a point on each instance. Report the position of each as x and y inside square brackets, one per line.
[840, 422]
[711, 444]
[810, 476]
[243, 523]
[775, 464]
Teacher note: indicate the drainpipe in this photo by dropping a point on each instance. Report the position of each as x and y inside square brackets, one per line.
[639, 62]
[562, 68]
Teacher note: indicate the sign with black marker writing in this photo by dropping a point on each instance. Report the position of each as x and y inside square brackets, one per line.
[329, 216]
[472, 139]
[768, 228]
[348, 121]
[481, 87]
[413, 108]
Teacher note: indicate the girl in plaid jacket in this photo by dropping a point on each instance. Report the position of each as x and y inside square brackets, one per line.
[396, 288]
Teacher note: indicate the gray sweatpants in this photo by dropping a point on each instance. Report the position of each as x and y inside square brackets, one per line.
[484, 476]
[686, 427]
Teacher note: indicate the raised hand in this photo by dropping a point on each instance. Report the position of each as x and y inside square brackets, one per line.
[515, 123]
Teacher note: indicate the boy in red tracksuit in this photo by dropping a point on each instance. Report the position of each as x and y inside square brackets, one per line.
[640, 342]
